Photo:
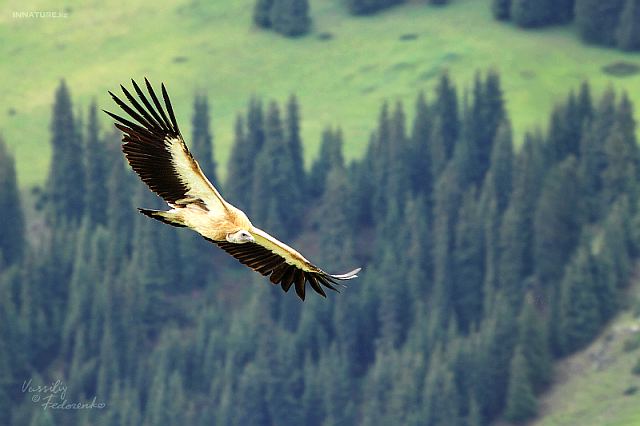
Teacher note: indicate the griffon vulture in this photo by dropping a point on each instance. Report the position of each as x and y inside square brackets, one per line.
[156, 151]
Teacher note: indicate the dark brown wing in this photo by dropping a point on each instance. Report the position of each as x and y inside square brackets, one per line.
[271, 264]
[157, 152]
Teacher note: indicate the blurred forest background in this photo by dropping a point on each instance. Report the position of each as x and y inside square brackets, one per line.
[487, 180]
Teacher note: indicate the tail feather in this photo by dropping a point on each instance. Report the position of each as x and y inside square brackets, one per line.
[162, 216]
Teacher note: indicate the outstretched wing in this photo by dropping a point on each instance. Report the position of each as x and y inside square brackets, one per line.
[282, 264]
[157, 152]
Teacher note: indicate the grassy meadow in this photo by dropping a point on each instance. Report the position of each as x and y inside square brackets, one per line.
[211, 47]
[592, 383]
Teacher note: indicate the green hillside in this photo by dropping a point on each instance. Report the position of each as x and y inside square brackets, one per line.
[210, 47]
[591, 384]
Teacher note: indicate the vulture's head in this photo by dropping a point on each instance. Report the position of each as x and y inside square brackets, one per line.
[240, 237]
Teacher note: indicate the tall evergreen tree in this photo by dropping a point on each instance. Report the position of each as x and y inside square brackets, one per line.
[330, 156]
[279, 211]
[66, 181]
[533, 342]
[521, 402]
[97, 166]
[502, 165]
[446, 113]
[579, 308]
[468, 263]
[201, 137]
[628, 32]
[530, 13]
[240, 169]
[290, 17]
[262, 13]
[501, 9]
[598, 20]
[593, 159]
[294, 142]
[420, 151]
[367, 7]
[556, 222]
[12, 229]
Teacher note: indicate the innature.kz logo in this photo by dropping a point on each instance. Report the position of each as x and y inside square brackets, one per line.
[40, 14]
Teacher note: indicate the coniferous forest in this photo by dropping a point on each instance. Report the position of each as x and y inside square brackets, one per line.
[485, 259]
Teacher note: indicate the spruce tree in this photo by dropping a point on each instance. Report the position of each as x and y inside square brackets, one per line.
[290, 17]
[557, 222]
[294, 142]
[598, 20]
[446, 112]
[262, 13]
[97, 166]
[468, 263]
[521, 402]
[12, 226]
[240, 169]
[628, 32]
[367, 7]
[562, 10]
[420, 151]
[579, 307]
[593, 159]
[280, 210]
[65, 184]
[202, 139]
[330, 156]
[502, 165]
[530, 13]
[501, 9]
[534, 345]
[620, 176]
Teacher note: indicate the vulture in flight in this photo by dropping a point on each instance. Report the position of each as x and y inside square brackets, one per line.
[156, 151]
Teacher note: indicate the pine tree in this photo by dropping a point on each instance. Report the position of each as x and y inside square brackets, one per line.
[446, 113]
[597, 20]
[501, 9]
[367, 7]
[622, 157]
[201, 137]
[446, 204]
[65, 184]
[239, 170]
[502, 165]
[516, 235]
[620, 175]
[468, 263]
[440, 397]
[280, 211]
[579, 308]
[251, 396]
[290, 17]
[556, 223]
[97, 164]
[530, 13]
[262, 13]
[628, 32]
[420, 151]
[330, 156]
[521, 402]
[294, 142]
[12, 228]
[593, 159]
[533, 343]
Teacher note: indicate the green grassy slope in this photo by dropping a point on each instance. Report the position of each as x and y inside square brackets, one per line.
[591, 384]
[209, 46]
